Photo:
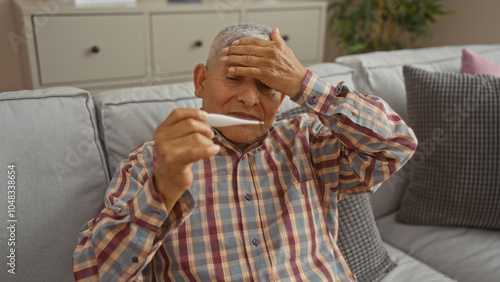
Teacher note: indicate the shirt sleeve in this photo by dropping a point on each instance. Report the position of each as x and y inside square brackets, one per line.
[119, 242]
[357, 141]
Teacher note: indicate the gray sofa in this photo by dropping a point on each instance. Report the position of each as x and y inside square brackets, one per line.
[64, 145]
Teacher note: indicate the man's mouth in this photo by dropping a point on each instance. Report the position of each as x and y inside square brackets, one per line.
[243, 116]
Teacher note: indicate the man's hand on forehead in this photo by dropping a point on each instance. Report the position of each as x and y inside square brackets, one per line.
[269, 61]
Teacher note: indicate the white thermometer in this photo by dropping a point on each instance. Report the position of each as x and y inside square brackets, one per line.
[216, 120]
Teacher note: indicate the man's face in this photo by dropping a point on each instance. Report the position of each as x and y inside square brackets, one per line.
[241, 97]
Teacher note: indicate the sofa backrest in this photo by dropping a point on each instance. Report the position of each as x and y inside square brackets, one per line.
[380, 74]
[51, 151]
[128, 117]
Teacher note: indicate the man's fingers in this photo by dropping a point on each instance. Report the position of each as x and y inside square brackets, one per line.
[184, 121]
[184, 113]
[184, 128]
[257, 73]
[245, 61]
[276, 36]
[184, 151]
[252, 50]
[187, 157]
[252, 41]
[269, 61]
[184, 138]
[199, 153]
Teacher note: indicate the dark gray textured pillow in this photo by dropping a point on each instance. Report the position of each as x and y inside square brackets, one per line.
[359, 239]
[455, 172]
[358, 236]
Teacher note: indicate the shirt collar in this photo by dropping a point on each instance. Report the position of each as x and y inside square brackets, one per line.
[223, 141]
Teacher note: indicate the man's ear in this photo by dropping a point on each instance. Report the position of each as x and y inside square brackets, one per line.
[199, 76]
[281, 102]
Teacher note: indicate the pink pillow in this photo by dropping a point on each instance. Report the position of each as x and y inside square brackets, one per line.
[476, 64]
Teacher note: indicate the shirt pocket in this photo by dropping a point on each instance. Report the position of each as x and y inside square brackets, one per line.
[302, 224]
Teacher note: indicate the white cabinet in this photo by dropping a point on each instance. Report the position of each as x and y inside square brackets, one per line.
[181, 41]
[73, 49]
[153, 42]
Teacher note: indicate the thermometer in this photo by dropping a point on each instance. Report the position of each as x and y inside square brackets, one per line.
[216, 120]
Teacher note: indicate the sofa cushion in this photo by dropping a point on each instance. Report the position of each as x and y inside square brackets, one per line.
[464, 254]
[455, 177]
[410, 269]
[476, 64]
[380, 74]
[51, 138]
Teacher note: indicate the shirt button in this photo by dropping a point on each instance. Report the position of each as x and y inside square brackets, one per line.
[248, 197]
[135, 259]
[312, 100]
[255, 241]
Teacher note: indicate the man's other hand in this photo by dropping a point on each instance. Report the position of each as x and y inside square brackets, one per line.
[180, 140]
[271, 62]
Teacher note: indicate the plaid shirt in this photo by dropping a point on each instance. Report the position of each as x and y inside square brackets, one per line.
[266, 214]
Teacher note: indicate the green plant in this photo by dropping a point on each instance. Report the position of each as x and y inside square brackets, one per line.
[373, 25]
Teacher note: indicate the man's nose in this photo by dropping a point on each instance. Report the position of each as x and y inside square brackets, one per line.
[248, 94]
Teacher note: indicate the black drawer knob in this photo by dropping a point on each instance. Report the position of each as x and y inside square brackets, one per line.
[95, 49]
[198, 43]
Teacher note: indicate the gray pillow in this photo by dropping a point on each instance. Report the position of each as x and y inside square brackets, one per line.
[455, 173]
[358, 236]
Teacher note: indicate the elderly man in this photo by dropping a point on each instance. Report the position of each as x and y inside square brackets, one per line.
[247, 202]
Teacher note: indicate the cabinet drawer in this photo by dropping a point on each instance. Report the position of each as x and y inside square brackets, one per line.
[301, 27]
[90, 48]
[180, 41]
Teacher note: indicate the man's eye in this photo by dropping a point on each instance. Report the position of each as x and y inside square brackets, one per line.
[263, 85]
[233, 78]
